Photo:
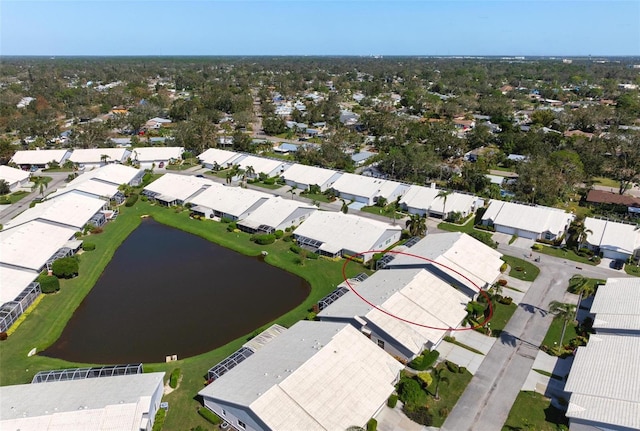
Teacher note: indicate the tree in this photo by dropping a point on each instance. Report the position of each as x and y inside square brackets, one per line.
[583, 287]
[439, 378]
[345, 207]
[564, 311]
[292, 190]
[40, 184]
[624, 160]
[417, 225]
[274, 126]
[250, 172]
[66, 267]
[444, 194]
[104, 158]
[4, 188]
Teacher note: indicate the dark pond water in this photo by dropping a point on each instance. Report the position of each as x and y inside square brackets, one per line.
[167, 292]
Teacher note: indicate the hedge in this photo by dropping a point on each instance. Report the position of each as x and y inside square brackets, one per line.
[452, 367]
[131, 200]
[392, 401]
[264, 239]
[372, 425]
[88, 246]
[279, 234]
[48, 283]
[66, 267]
[209, 415]
[295, 248]
[430, 359]
[159, 421]
[173, 378]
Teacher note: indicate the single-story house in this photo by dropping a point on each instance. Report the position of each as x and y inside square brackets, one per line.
[215, 158]
[32, 245]
[124, 402]
[603, 385]
[234, 203]
[285, 148]
[605, 198]
[17, 291]
[147, 157]
[71, 210]
[351, 187]
[431, 304]
[39, 158]
[15, 178]
[455, 257]
[302, 177]
[613, 239]
[261, 165]
[425, 201]
[157, 122]
[174, 189]
[361, 157]
[315, 376]
[615, 307]
[276, 213]
[95, 157]
[336, 234]
[527, 221]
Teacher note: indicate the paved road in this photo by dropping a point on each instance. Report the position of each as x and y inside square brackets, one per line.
[485, 404]
[10, 211]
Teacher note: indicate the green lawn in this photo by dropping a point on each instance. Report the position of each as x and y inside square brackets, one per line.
[521, 269]
[452, 227]
[268, 186]
[554, 332]
[532, 411]
[387, 211]
[501, 315]
[316, 197]
[449, 394]
[632, 270]
[607, 182]
[47, 321]
[45, 179]
[58, 170]
[13, 197]
[564, 254]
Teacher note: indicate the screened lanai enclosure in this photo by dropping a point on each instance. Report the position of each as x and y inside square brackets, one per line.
[12, 310]
[87, 373]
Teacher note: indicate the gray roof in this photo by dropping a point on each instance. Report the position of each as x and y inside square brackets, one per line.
[604, 381]
[617, 304]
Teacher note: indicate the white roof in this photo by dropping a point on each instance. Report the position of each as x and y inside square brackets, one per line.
[70, 209]
[98, 189]
[536, 219]
[419, 197]
[413, 294]
[308, 174]
[38, 157]
[221, 157]
[111, 173]
[458, 255]
[234, 201]
[370, 187]
[179, 187]
[13, 281]
[617, 304]
[260, 164]
[604, 381]
[12, 175]
[30, 245]
[152, 154]
[314, 376]
[93, 155]
[339, 231]
[610, 235]
[275, 211]
[104, 403]
[456, 202]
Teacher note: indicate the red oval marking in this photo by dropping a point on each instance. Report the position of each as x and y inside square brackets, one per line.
[482, 292]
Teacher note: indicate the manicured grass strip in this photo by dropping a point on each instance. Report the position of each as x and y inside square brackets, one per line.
[464, 346]
[13, 197]
[268, 186]
[632, 270]
[564, 254]
[521, 269]
[532, 411]
[501, 315]
[452, 227]
[387, 211]
[554, 332]
[449, 394]
[548, 374]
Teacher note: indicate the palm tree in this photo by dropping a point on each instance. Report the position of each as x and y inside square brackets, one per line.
[417, 225]
[103, 158]
[439, 378]
[444, 194]
[583, 287]
[582, 234]
[292, 190]
[250, 171]
[563, 311]
[345, 207]
[39, 184]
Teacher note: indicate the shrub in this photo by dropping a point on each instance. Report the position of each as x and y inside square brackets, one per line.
[287, 238]
[372, 425]
[232, 226]
[159, 420]
[452, 367]
[66, 267]
[209, 415]
[462, 370]
[425, 378]
[392, 401]
[144, 198]
[48, 283]
[3, 336]
[131, 200]
[430, 359]
[443, 412]
[264, 239]
[485, 238]
[287, 229]
[411, 392]
[536, 247]
[449, 339]
[506, 300]
[503, 267]
[173, 378]
[88, 246]
[225, 220]
[270, 181]
[312, 256]
[279, 234]
[95, 230]
[419, 415]
[502, 282]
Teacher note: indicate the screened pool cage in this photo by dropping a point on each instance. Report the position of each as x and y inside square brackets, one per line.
[12, 310]
[87, 373]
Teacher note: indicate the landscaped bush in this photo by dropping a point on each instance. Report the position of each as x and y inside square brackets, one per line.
[506, 300]
[287, 229]
[209, 415]
[225, 220]
[264, 239]
[462, 370]
[88, 246]
[372, 425]
[537, 247]
[485, 227]
[424, 361]
[425, 378]
[66, 267]
[502, 282]
[95, 230]
[48, 283]
[144, 198]
[270, 181]
[232, 226]
[418, 414]
[173, 378]
[449, 338]
[504, 267]
[452, 367]
[3, 336]
[312, 256]
[484, 238]
[411, 392]
[287, 238]
[392, 401]
[131, 200]
[279, 234]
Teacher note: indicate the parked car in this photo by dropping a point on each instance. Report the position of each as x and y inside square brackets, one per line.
[199, 176]
[618, 264]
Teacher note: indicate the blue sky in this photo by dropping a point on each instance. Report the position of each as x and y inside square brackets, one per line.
[311, 27]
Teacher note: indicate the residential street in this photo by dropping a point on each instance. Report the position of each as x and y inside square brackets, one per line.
[485, 404]
[7, 212]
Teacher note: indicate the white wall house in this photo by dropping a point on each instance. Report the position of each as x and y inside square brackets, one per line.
[431, 304]
[366, 190]
[337, 234]
[455, 257]
[302, 177]
[95, 157]
[276, 213]
[234, 203]
[127, 402]
[39, 158]
[15, 178]
[315, 376]
[148, 157]
[615, 309]
[614, 240]
[173, 189]
[425, 201]
[526, 221]
[214, 158]
[269, 167]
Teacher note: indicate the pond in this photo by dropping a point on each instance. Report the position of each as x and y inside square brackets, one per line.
[168, 292]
